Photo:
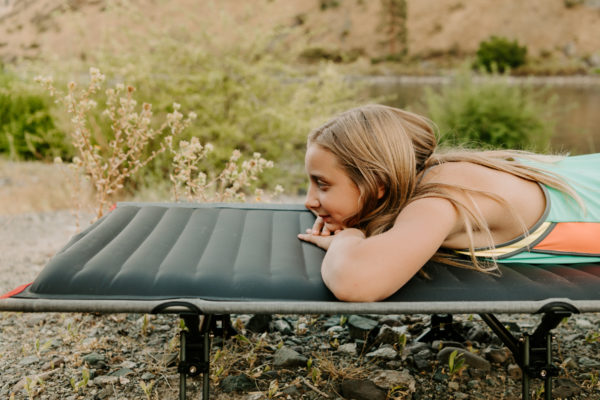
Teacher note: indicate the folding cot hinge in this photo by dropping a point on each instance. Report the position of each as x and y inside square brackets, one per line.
[194, 351]
[533, 352]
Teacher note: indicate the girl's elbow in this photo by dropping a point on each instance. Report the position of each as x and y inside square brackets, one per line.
[349, 291]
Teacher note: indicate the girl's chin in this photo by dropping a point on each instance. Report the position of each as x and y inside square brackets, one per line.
[332, 227]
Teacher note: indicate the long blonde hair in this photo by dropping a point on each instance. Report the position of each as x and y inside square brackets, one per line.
[380, 146]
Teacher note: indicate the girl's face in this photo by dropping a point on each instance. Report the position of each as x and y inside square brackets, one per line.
[331, 195]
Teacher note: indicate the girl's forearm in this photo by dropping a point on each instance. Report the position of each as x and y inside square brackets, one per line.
[338, 268]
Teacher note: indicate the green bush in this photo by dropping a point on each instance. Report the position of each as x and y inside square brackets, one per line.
[491, 113]
[498, 53]
[27, 127]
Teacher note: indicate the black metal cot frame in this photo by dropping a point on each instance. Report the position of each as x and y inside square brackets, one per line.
[207, 319]
[190, 259]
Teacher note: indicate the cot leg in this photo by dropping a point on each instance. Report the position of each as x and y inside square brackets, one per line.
[533, 352]
[194, 352]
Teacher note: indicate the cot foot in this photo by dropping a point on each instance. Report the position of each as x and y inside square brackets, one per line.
[533, 352]
[194, 351]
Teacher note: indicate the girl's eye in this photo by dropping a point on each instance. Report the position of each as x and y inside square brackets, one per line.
[322, 184]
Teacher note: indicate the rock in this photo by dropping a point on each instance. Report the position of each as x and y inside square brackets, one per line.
[331, 321]
[391, 335]
[347, 348]
[386, 352]
[362, 389]
[454, 386]
[282, 326]
[471, 359]
[565, 388]
[514, 371]
[121, 372]
[387, 379]
[56, 362]
[588, 362]
[237, 383]
[422, 360]
[479, 334]
[582, 323]
[496, 355]
[259, 323]
[440, 344]
[360, 327]
[128, 364]
[105, 380]
[25, 361]
[148, 376]
[95, 360]
[288, 358]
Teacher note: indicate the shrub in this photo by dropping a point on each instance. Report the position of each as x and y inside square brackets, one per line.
[498, 53]
[492, 113]
[27, 127]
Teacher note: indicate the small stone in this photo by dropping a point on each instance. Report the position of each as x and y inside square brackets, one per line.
[386, 352]
[362, 389]
[391, 335]
[460, 396]
[454, 386]
[25, 361]
[94, 359]
[471, 359]
[588, 362]
[440, 344]
[514, 371]
[56, 362]
[288, 358]
[282, 326]
[347, 348]
[121, 372]
[387, 379]
[565, 388]
[479, 334]
[360, 327]
[237, 383]
[128, 364]
[106, 380]
[496, 355]
[259, 323]
[148, 376]
[582, 323]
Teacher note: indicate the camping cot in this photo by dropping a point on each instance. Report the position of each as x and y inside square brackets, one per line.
[208, 261]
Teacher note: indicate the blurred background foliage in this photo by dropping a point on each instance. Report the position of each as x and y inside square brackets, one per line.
[263, 92]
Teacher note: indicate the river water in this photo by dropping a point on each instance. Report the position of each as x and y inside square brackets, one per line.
[577, 107]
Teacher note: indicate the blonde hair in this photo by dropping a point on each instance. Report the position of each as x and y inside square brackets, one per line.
[381, 146]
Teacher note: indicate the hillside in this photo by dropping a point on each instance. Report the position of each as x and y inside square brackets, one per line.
[555, 30]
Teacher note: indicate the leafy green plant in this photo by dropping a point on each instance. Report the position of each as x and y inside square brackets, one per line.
[27, 126]
[85, 377]
[499, 54]
[456, 363]
[490, 112]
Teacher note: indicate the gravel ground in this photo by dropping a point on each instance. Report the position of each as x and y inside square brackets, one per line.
[132, 356]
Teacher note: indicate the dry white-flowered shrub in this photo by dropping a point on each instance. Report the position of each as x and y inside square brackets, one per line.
[238, 176]
[132, 133]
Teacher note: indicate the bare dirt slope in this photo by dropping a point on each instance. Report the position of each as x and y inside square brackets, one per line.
[30, 28]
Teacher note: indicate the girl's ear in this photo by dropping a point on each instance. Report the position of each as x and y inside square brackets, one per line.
[380, 191]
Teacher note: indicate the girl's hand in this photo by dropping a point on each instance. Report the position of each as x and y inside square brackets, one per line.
[319, 228]
[324, 241]
[318, 234]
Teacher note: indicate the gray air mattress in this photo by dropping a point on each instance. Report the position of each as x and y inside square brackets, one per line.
[224, 258]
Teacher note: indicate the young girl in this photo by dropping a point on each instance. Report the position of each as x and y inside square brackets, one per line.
[387, 202]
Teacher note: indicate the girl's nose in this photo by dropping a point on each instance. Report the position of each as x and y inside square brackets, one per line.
[311, 201]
